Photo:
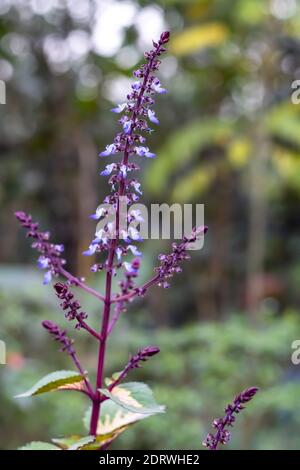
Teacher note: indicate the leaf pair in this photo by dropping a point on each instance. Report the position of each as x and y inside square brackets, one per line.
[127, 403]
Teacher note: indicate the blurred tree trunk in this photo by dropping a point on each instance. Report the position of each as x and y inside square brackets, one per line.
[257, 219]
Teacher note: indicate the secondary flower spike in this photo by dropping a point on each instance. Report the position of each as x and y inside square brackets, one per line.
[222, 435]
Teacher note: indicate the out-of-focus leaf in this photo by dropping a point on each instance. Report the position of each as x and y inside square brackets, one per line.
[250, 11]
[52, 382]
[181, 147]
[283, 122]
[239, 151]
[287, 165]
[194, 183]
[197, 9]
[198, 37]
[39, 445]
[136, 397]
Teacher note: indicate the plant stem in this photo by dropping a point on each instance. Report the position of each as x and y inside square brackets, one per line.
[77, 363]
[81, 284]
[102, 347]
[109, 265]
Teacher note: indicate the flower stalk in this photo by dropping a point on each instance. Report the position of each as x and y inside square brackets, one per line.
[222, 435]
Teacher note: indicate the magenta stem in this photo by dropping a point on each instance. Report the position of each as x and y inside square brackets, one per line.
[110, 261]
[90, 391]
[74, 280]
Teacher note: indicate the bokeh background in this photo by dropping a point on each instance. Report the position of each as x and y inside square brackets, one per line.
[229, 138]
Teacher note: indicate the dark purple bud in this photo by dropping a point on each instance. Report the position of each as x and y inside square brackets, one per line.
[60, 288]
[49, 325]
[21, 216]
[165, 36]
[149, 351]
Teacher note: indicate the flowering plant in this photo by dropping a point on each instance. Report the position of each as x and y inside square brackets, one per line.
[115, 405]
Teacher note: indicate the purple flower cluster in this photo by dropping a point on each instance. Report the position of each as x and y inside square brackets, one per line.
[135, 362]
[69, 305]
[136, 116]
[222, 435]
[50, 253]
[60, 336]
[170, 264]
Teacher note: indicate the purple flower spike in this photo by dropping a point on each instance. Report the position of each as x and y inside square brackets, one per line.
[222, 435]
[109, 150]
[152, 117]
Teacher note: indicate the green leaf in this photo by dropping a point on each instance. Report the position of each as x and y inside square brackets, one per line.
[65, 442]
[52, 382]
[136, 397]
[83, 443]
[198, 37]
[114, 419]
[39, 445]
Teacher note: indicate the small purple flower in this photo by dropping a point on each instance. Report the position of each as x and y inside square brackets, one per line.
[109, 150]
[100, 212]
[123, 171]
[127, 126]
[119, 253]
[144, 152]
[136, 86]
[134, 250]
[152, 117]
[157, 88]
[47, 277]
[124, 236]
[133, 267]
[134, 234]
[91, 250]
[43, 262]
[108, 169]
[136, 215]
[119, 108]
[136, 185]
[59, 248]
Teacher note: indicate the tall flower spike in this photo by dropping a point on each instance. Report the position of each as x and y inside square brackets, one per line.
[222, 435]
[136, 114]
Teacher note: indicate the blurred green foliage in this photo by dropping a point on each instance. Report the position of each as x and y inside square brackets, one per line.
[229, 138]
[199, 370]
